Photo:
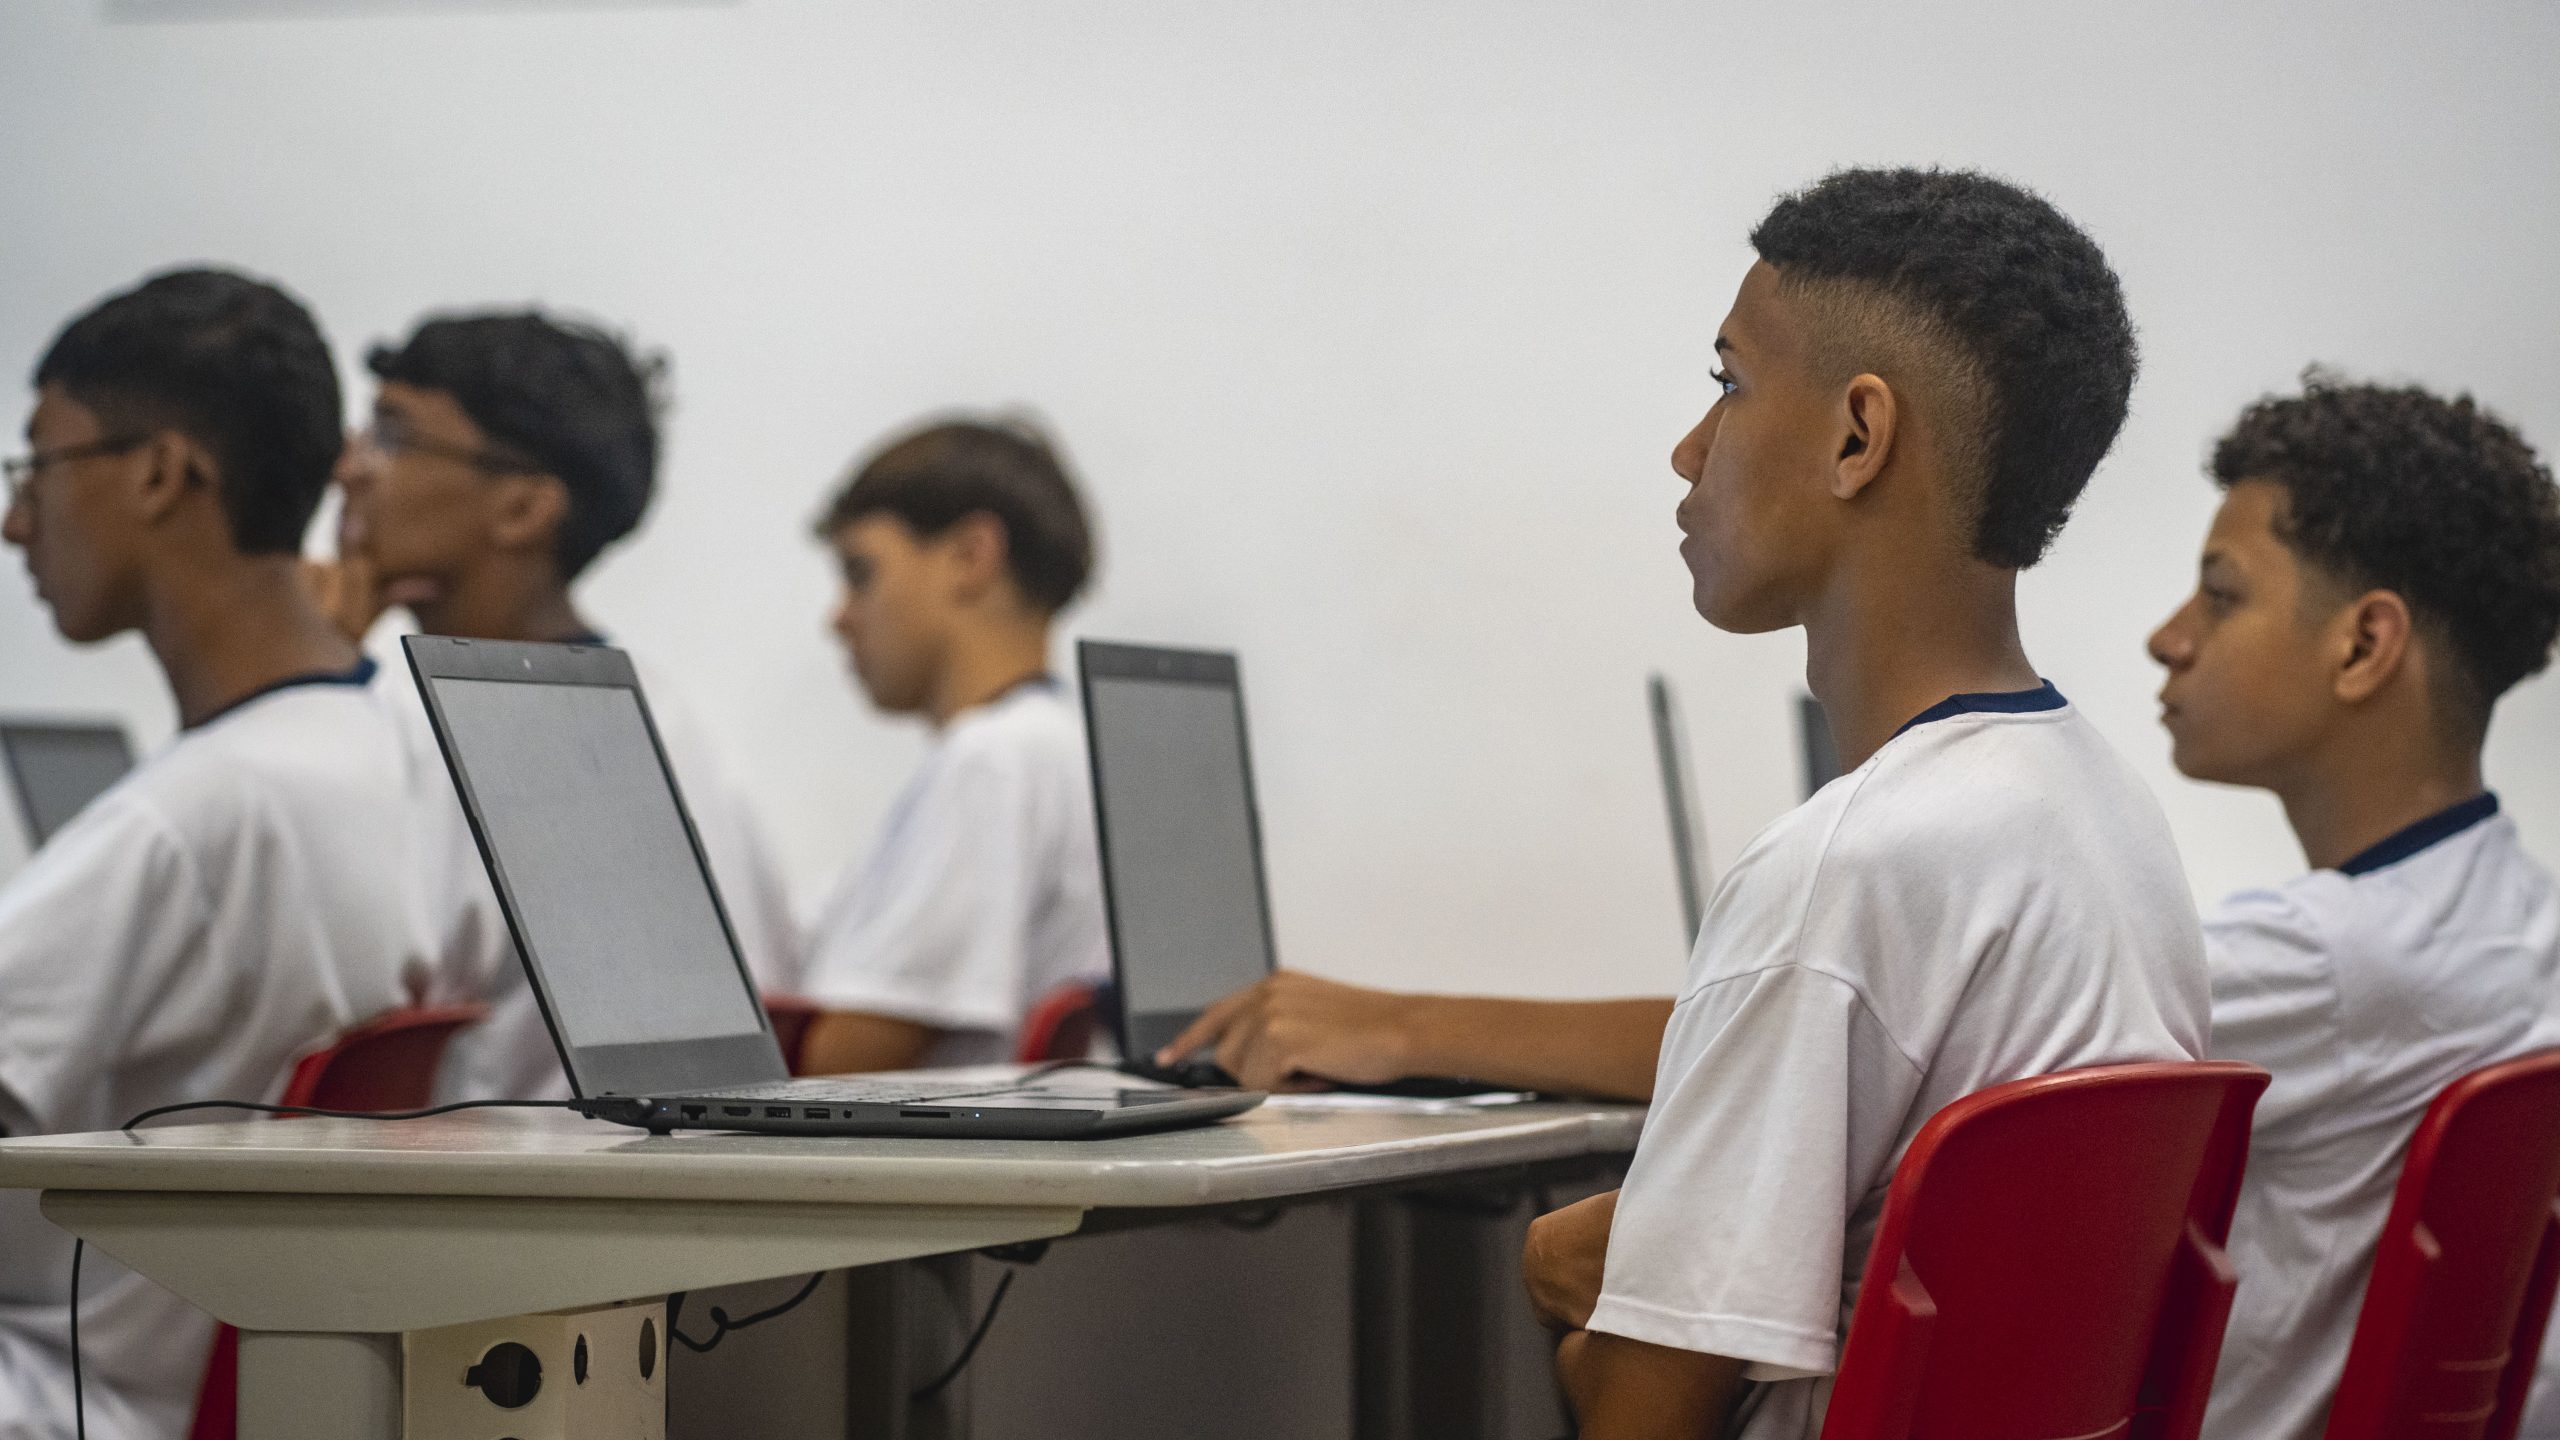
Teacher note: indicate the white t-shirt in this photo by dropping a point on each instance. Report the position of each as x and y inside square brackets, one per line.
[236, 901]
[984, 892]
[2365, 990]
[511, 1054]
[1992, 895]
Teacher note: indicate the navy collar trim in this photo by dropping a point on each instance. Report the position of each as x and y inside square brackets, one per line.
[1990, 702]
[361, 675]
[2408, 840]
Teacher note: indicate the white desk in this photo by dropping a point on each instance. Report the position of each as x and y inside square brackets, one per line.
[324, 1240]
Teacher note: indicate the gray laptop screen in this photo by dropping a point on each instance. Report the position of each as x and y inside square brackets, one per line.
[1184, 859]
[613, 901]
[59, 769]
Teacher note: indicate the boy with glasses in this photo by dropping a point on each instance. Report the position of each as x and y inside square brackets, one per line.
[507, 451]
[245, 893]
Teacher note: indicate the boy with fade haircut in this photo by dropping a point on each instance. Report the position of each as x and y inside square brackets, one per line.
[244, 894]
[507, 451]
[959, 544]
[2384, 566]
[1920, 374]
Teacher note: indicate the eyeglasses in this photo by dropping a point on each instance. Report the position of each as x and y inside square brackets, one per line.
[22, 470]
[389, 434]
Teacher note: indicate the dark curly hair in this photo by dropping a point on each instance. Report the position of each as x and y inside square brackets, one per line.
[235, 364]
[567, 395]
[2439, 501]
[937, 476]
[1988, 296]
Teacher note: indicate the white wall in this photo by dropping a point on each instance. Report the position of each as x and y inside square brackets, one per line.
[1371, 327]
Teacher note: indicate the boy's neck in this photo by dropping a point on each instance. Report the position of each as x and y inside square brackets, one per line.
[227, 631]
[986, 661]
[1881, 647]
[2353, 796]
[505, 605]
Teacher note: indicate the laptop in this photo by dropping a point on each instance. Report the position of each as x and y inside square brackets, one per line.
[631, 955]
[56, 767]
[1181, 841]
[1680, 802]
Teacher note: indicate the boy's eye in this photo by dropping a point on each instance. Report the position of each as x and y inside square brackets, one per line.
[1723, 381]
[2218, 600]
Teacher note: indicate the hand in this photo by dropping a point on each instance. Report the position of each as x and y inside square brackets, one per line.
[1294, 1031]
[348, 592]
[1563, 1260]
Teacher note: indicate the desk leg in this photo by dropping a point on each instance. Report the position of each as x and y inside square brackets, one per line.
[319, 1387]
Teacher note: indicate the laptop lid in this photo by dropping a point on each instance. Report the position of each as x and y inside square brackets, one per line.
[596, 864]
[1181, 839]
[58, 766]
[1680, 802]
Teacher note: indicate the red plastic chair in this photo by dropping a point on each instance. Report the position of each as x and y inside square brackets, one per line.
[1061, 1026]
[790, 1016]
[2452, 1322]
[2049, 1262]
[384, 1064]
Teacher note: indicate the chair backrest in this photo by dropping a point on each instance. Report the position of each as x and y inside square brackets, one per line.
[2049, 1261]
[1061, 1026]
[2452, 1323]
[790, 1016]
[388, 1063]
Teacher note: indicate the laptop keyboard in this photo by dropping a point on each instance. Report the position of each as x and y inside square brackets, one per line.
[835, 1091]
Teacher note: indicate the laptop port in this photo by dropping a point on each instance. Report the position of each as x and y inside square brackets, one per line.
[741, 1111]
[813, 1114]
[694, 1112]
[924, 1114]
[777, 1112]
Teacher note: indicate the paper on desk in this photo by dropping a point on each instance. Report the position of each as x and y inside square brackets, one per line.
[1400, 1104]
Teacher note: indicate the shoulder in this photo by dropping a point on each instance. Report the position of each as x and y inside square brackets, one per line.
[1032, 730]
[318, 742]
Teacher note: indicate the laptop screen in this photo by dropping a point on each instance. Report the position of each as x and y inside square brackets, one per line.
[58, 769]
[1182, 852]
[609, 896]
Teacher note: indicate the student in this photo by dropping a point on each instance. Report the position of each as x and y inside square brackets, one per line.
[2385, 565]
[959, 545]
[507, 451]
[1921, 372]
[243, 895]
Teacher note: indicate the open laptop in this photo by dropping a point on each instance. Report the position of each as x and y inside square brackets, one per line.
[56, 767]
[1680, 802]
[603, 882]
[1182, 873]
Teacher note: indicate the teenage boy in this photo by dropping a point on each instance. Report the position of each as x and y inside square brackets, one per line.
[959, 544]
[507, 451]
[241, 896]
[1920, 374]
[2385, 565]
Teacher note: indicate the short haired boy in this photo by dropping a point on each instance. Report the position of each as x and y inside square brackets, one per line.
[2384, 566]
[244, 894]
[507, 452]
[1920, 374]
[959, 544]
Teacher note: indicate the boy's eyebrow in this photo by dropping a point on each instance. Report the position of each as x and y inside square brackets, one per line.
[1723, 345]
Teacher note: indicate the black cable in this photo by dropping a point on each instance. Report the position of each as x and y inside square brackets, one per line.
[959, 1363]
[264, 1108]
[79, 1247]
[722, 1326]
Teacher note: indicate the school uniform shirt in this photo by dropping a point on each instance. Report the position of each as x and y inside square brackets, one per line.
[511, 1054]
[235, 902]
[1992, 895]
[984, 891]
[2364, 990]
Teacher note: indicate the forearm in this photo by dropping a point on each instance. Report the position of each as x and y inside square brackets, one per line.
[1623, 1389]
[1605, 1049]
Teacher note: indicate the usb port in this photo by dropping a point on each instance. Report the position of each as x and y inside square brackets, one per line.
[777, 1112]
[813, 1113]
[741, 1111]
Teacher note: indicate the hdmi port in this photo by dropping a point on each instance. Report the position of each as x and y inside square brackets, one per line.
[737, 1110]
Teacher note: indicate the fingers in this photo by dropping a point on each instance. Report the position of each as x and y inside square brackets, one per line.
[1212, 1024]
[1245, 1055]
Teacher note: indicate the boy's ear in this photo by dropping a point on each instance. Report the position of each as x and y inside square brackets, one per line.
[527, 511]
[165, 469]
[1869, 423]
[980, 553]
[2375, 628]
